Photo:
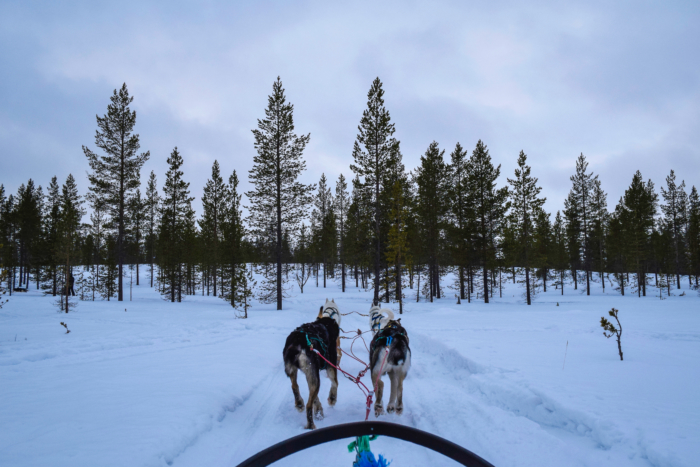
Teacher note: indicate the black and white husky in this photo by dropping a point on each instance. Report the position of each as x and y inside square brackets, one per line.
[389, 353]
[322, 335]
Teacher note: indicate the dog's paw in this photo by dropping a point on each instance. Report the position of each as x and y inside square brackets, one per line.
[399, 409]
[390, 408]
[318, 414]
[332, 400]
[310, 426]
[299, 405]
[378, 410]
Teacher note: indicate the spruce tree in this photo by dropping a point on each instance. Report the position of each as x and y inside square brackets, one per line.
[175, 216]
[675, 212]
[117, 173]
[341, 205]
[489, 204]
[375, 152]
[213, 204]
[278, 199]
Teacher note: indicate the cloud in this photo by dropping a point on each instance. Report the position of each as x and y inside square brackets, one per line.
[618, 82]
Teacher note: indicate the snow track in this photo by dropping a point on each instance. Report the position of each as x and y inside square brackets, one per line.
[190, 385]
[486, 410]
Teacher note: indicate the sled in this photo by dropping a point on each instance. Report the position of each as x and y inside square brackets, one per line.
[351, 430]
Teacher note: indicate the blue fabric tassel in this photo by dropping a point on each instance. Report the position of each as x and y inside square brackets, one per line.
[366, 459]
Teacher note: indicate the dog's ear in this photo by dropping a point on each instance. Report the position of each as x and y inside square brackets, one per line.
[333, 301]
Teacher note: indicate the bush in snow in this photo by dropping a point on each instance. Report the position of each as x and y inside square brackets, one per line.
[610, 330]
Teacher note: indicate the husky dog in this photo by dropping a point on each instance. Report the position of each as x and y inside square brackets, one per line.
[322, 335]
[390, 347]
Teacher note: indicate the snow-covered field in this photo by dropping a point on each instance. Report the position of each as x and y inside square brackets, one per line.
[150, 383]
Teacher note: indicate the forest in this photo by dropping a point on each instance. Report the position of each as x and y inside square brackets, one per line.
[444, 229]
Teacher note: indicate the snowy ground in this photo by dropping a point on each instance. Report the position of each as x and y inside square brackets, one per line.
[150, 383]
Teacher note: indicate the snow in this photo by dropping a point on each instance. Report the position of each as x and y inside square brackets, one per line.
[151, 383]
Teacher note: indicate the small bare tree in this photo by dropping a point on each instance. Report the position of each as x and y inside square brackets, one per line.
[610, 330]
[303, 273]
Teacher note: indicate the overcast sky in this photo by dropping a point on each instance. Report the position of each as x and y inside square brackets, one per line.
[616, 81]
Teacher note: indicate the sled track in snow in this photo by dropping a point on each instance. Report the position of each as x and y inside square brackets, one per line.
[486, 410]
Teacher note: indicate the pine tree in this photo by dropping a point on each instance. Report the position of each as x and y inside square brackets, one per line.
[324, 212]
[358, 244]
[579, 210]
[397, 249]
[107, 275]
[618, 245]
[638, 210]
[431, 208]
[693, 234]
[675, 210]
[9, 233]
[525, 205]
[71, 213]
[117, 173]
[28, 221]
[341, 205]
[599, 225]
[152, 213]
[278, 198]
[559, 255]
[137, 219]
[461, 216]
[489, 204]
[375, 152]
[175, 216]
[52, 220]
[213, 203]
[240, 282]
[542, 246]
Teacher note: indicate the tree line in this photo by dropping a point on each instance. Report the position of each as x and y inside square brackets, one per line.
[385, 229]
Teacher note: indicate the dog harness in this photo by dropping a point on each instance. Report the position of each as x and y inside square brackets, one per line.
[324, 349]
[333, 313]
[376, 322]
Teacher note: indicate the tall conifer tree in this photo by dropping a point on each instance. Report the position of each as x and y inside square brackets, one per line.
[675, 214]
[579, 210]
[341, 205]
[525, 204]
[278, 199]
[213, 203]
[117, 173]
[489, 205]
[431, 209]
[175, 216]
[152, 212]
[374, 153]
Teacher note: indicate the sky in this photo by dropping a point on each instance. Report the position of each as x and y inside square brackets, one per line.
[616, 81]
